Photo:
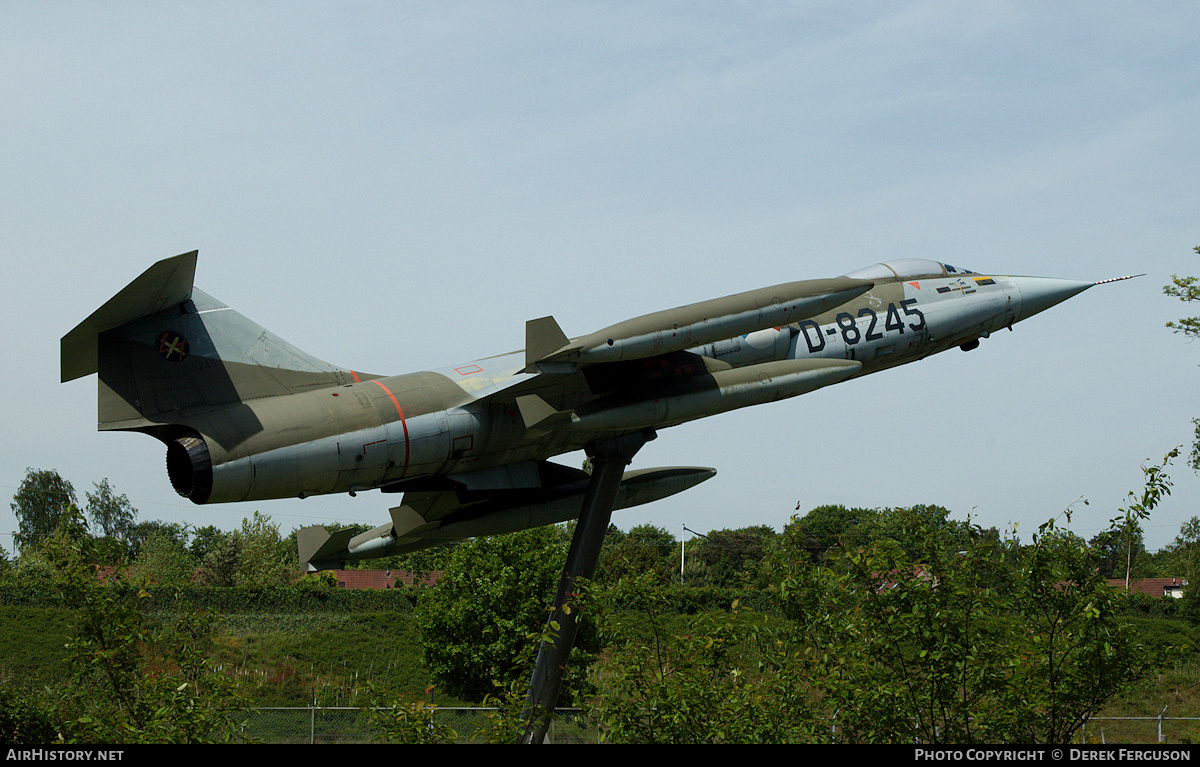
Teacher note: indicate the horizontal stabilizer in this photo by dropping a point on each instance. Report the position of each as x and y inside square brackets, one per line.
[168, 283]
[319, 549]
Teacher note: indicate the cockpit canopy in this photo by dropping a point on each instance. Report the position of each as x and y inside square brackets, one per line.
[907, 269]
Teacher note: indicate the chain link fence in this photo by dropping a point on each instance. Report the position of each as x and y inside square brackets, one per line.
[1141, 729]
[320, 724]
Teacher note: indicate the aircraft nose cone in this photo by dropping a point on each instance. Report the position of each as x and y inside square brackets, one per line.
[1040, 293]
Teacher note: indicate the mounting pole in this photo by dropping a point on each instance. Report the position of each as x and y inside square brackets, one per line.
[609, 459]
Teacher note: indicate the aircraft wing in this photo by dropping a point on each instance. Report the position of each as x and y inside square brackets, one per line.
[434, 516]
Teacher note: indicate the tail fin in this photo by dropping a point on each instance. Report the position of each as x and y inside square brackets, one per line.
[161, 346]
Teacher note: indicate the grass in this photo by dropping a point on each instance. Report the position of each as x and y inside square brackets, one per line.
[337, 659]
[32, 643]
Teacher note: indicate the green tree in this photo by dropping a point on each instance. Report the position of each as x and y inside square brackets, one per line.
[154, 528]
[953, 644]
[1115, 549]
[164, 560]
[644, 549]
[396, 719]
[263, 557]
[732, 557]
[1127, 526]
[906, 526]
[717, 677]
[40, 505]
[26, 717]
[6, 565]
[111, 514]
[480, 623]
[218, 555]
[136, 679]
[825, 528]
[1187, 544]
[1187, 289]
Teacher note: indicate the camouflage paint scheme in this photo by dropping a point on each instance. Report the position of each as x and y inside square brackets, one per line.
[247, 416]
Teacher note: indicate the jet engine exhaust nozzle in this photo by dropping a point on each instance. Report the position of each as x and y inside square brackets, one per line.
[189, 467]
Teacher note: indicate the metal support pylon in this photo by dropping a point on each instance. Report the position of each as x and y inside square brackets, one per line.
[609, 459]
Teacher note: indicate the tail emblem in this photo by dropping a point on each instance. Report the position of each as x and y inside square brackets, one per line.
[172, 347]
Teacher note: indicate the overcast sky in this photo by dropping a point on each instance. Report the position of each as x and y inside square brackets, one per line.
[397, 186]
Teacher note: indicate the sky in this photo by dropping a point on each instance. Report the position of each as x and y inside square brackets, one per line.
[396, 187]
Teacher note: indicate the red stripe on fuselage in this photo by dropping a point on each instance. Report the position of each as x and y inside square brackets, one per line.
[403, 423]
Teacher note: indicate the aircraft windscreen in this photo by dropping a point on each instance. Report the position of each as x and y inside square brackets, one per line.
[907, 269]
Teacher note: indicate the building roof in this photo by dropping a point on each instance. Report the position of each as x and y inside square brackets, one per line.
[1155, 587]
[384, 579]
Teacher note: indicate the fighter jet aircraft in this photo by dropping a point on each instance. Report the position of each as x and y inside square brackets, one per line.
[245, 415]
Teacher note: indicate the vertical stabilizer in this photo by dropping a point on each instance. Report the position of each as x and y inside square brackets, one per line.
[163, 349]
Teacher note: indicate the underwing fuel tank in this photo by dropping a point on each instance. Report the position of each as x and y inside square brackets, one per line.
[322, 550]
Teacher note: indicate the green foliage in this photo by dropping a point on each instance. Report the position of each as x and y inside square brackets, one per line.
[135, 679]
[827, 527]
[1187, 289]
[399, 720]
[956, 644]
[25, 716]
[732, 557]
[40, 505]
[1125, 530]
[6, 566]
[164, 561]
[111, 514]
[719, 678]
[644, 549]
[954, 636]
[156, 529]
[479, 621]
[827, 530]
[264, 558]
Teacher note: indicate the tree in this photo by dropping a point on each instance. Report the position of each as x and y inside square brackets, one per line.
[1127, 526]
[163, 560]
[136, 679]
[721, 677]
[826, 527]
[732, 557]
[953, 644]
[110, 513]
[142, 532]
[40, 505]
[1118, 549]
[644, 549]
[217, 554]
[480, 624]
[6, 565]
[1186, 548]
[1187, 289]
[263, 557]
